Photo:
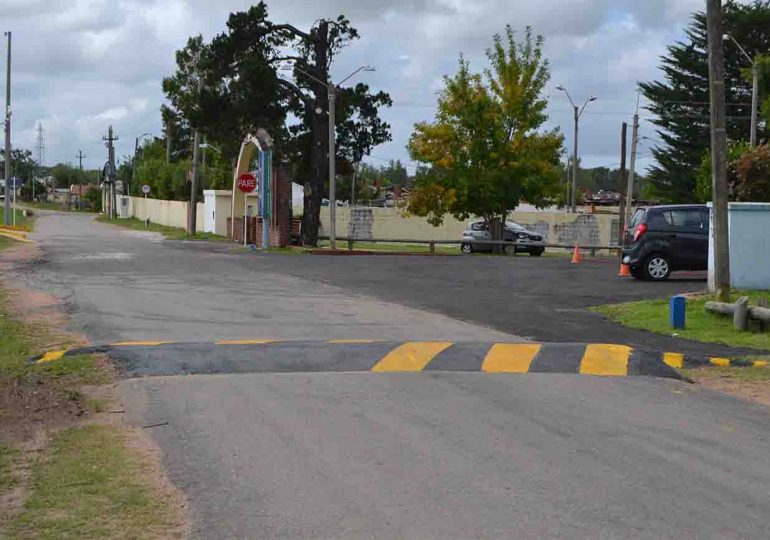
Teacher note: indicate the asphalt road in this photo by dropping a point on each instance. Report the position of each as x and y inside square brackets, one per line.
[398, 455]
[458, 456]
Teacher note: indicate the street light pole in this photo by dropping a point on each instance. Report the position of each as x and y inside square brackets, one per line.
[8, 132]
[573, 195]
[331, 90]
[754, 89]
[578, 113]
[332, 168]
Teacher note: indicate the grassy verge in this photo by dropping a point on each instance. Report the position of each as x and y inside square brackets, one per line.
[759, 374]
[23, 223]
[7, 480]
[88, 484]
[172, 233]
[652, 315]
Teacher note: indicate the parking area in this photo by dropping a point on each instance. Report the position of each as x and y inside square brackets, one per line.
[544, 299]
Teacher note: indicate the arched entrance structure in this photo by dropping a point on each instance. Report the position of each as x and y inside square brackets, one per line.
[262, 145]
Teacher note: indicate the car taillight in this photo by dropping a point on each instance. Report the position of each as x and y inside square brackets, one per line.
[640, 230]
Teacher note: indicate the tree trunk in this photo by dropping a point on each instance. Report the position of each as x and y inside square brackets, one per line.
[319, 136]
[496, 233]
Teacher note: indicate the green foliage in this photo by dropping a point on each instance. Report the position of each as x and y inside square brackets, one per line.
[484, 148]
[94, 196]
[703, 179]
[681, 100]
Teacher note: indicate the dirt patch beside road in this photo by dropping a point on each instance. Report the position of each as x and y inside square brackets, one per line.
[68, 466]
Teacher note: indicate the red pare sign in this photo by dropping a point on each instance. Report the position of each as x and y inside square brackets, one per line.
[247, 182]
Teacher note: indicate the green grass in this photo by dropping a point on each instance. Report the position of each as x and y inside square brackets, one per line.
[172, 233]
[5, 242]
[7, 479]
[23, 222]
[735, 373]
[89, 485]
[653, 316]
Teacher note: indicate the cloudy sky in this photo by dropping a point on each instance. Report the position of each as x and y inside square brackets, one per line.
[81, 65]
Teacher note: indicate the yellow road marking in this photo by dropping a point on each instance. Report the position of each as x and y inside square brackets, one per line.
[510, 357]
[674, 360]
[724, 362]
[140, 343]
[608, 360]
[411, 356]
[761, 363]
[344, 341]
[244, 341]
[51, 356]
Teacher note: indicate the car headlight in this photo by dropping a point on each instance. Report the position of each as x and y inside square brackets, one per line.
[522, 236]
[626, 259]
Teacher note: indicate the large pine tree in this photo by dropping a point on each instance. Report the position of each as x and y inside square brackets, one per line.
[681, 100]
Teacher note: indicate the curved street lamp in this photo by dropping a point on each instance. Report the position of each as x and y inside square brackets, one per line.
[578, 113]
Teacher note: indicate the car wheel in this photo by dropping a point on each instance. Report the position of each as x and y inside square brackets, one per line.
[657, 267]
[536, 253]
[466, 249]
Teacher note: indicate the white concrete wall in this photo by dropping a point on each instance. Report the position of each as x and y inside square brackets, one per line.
[168, 213]
[389, 223]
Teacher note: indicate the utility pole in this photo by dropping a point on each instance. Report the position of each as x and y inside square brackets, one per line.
[168, 142]
[192, 214]
[718, 149]
[632, 171]
[111, 176]
[40, 153]
[80, 157]
[623, 146]
[8, 132]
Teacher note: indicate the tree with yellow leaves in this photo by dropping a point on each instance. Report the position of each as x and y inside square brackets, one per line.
[485, 150]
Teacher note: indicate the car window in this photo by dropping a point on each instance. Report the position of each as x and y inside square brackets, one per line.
[515, 226]
[687, 218]
[660, 219]
[480, 226]
[636, 218]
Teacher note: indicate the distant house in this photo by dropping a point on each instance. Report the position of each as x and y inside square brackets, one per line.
[77, 194]
[58, 195]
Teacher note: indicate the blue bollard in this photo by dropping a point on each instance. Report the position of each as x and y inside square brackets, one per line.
[677, 311]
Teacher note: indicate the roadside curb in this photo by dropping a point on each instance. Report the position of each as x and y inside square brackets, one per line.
[679, 361]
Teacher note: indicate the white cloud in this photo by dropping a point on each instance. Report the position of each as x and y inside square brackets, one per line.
[80, 65]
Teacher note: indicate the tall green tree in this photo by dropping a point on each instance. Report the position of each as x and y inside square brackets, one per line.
[680, 101]
[486, 148]
[243, 90]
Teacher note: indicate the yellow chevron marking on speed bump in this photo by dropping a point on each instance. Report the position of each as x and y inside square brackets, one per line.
[140, 343]
[607, 360]
[724, 362]
[411, 356]
[510, 357]
[51, 356]
[674, 360]
[761, 363]
[244, 341]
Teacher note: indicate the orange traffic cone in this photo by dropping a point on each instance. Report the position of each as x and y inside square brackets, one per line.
[576, 259]
[625, 270]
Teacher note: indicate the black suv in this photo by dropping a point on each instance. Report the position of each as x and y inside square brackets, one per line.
[661, 239]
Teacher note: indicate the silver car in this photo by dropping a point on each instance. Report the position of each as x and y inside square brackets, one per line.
[527, 241]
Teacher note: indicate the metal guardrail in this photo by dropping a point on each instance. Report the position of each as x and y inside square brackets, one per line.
[432, 243]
